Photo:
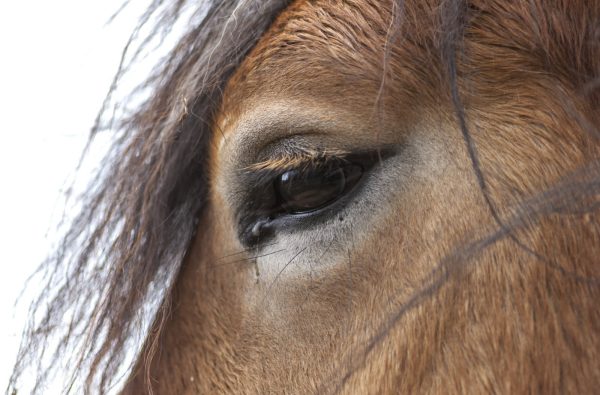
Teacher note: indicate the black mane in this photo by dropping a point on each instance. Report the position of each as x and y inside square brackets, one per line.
[126, 246]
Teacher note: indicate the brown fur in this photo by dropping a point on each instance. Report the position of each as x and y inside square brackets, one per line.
[471, 268]
[439, 297]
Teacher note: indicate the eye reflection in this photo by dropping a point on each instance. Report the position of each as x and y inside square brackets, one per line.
[305, 190]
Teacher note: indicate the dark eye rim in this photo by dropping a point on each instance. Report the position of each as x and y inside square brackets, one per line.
[274, 219]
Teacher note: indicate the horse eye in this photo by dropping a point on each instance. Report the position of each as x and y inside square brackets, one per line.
[302, 191]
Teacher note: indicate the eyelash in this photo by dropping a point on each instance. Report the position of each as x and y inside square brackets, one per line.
[266, 177]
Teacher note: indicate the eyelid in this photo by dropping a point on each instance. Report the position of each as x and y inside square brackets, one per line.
[299, 158]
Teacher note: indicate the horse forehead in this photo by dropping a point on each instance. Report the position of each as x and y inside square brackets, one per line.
[323, 33]
[316, 50]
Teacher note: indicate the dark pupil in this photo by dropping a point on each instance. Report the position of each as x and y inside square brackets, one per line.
[306, 190]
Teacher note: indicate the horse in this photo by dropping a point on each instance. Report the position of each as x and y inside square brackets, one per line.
[343, 196]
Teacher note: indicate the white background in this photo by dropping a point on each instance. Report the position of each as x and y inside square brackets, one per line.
[57, 59]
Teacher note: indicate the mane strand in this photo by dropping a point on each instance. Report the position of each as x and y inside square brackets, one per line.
[139, 215]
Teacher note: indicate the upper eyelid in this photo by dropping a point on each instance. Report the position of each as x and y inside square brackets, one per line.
[296, 159]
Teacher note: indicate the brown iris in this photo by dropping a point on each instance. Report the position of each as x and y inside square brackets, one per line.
[309, 189]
